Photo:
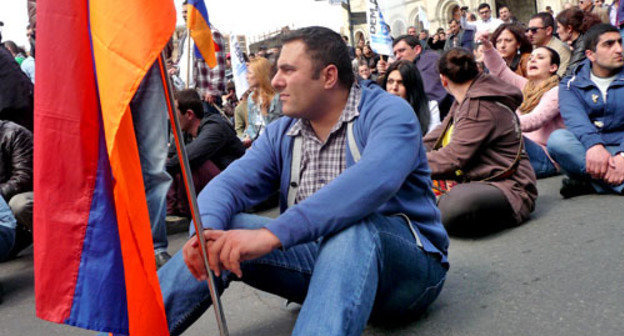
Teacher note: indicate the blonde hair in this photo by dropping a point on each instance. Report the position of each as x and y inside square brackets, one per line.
[261, 68]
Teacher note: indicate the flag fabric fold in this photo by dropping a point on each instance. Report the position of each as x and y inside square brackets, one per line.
[94, 257]
[199, 26]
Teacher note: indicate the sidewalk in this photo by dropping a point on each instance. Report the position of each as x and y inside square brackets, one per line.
[559, 274]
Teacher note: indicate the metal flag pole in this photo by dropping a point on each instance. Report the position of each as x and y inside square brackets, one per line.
[188, 58]
[190, 193]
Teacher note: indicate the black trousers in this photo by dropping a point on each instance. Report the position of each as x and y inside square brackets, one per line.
[475, 209]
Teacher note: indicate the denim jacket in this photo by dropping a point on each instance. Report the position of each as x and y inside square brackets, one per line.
[256, 121]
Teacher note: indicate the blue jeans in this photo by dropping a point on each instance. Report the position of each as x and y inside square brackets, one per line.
[371, 269]
[149, 115]
[7, 229]
[540, 162]
[569, 152]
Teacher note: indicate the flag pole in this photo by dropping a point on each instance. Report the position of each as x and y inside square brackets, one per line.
[190, 193]
[188, 57]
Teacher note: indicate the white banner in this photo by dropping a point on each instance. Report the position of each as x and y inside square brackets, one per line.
[239, 68]
[422, 16]
[381, 42]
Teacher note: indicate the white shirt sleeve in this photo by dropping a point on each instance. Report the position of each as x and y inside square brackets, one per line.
[434, 113]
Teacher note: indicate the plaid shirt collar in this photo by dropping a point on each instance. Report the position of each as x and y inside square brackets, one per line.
[349, 113]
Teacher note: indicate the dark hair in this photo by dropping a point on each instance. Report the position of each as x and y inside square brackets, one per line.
[189, 100]
[518, 32]
[483, 5]
[11, 46]
[554, 56]
[459, 65]
[454, 20]
[412, 41]
[325, 47]
[414, 90]
[473, 17]
[547, 20]
[503, 6]
[593, 35]
[424, 31]
[578, 19]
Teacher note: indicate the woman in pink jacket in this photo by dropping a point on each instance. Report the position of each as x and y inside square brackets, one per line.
[539, 112]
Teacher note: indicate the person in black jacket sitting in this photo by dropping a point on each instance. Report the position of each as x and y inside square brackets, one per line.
[213, 146]
[16, 180]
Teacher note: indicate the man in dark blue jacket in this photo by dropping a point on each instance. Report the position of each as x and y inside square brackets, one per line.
[359, 235]
[591, 149]
[407, 47]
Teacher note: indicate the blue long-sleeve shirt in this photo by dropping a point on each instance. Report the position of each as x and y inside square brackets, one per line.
[391, 177]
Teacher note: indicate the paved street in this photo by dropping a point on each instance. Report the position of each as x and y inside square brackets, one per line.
[560, 274]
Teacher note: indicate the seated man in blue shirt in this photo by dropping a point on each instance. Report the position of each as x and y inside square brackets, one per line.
[359, 235]
[591, 149]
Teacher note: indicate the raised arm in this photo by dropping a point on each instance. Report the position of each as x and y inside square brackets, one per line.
[495, 63]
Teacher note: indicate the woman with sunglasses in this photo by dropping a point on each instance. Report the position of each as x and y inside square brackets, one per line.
[539, 113]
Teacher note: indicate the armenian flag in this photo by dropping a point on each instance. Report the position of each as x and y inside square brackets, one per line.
[199, 26]
[94, 256]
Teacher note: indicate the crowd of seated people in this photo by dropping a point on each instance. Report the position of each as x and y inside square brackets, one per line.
[543, 99]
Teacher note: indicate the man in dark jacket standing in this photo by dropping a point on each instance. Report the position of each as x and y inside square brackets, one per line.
[16, 178]
[214, 146]
[407, 47]
[591, 149]
[457, 37]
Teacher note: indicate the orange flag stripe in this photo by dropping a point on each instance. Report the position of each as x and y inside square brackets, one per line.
[202, 36]
[127, 37]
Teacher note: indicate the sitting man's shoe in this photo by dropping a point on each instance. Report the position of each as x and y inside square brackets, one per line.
[177, 224]
[572, 188]
[162, 258]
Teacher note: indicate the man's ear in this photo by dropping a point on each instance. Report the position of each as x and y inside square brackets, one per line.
[418, 49]
[590, 55]
[189, 113]
[330, 76]
[549, 31]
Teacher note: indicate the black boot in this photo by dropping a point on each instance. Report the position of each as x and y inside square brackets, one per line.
[572, 188]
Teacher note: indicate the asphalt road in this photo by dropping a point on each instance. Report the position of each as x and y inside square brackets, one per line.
[561, 273]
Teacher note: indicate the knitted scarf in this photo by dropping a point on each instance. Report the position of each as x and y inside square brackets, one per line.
[533, 92]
